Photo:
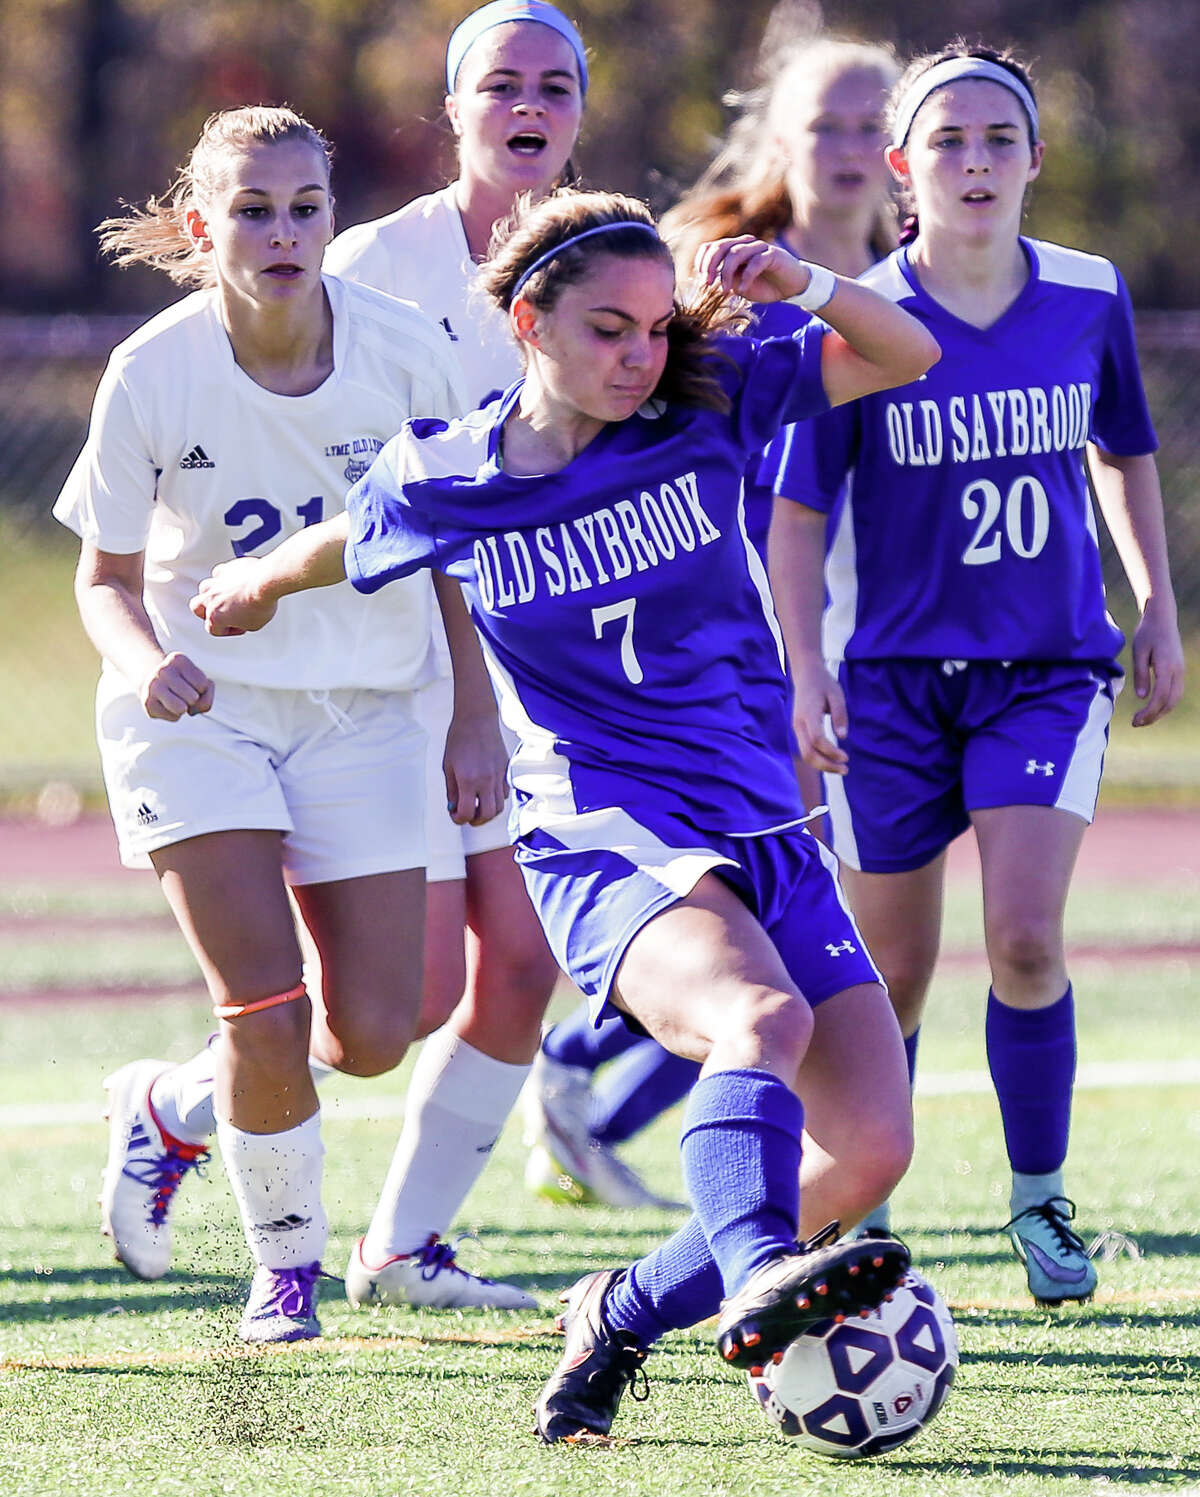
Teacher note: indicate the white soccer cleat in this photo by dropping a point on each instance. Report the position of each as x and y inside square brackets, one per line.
[282, 1305]
[566, 1164]
[430, 1279]
[597, 1176]
[144, 1170]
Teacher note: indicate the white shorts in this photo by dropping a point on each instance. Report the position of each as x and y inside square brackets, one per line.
[339, 773]
[450, 845]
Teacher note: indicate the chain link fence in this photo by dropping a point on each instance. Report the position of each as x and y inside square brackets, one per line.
[48, 373]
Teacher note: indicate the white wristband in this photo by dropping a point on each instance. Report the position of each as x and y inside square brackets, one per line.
[819, 291]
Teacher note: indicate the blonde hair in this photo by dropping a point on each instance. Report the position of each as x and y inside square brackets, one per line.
[157, 234]
[744, 188]
[535, 229]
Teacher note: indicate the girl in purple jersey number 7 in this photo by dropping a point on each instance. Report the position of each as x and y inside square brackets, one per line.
[965, 671]
[591, 514]
[800, 167]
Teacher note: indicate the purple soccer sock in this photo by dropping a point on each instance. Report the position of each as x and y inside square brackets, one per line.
[911, 1041]
[741, 1165]
[575, 1041]
[1031, 1055]
[669, 1289]
[648, 1080]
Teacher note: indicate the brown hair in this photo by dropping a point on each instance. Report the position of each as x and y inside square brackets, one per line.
[744, 188]
[959, 47]
[157, 234]
[536, 228]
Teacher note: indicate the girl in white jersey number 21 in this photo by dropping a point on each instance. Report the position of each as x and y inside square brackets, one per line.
[592, 513]
[516, 79]
[965, 660]
[234, 418]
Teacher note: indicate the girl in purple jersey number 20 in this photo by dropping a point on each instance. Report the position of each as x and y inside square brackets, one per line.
[659, 814]
[966, 671]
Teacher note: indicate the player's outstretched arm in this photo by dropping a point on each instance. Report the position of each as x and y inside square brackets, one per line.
[875, 344]
[108, 590]
[242, 595]
[475, 762]
[1131, 502]
[796, 561]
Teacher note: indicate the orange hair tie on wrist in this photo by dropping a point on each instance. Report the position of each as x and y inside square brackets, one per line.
[236, 1010]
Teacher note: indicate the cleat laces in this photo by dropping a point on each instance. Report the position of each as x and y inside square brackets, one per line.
[291, 1291]
[1057, 1213]
[442, 1257]
[162, 1174]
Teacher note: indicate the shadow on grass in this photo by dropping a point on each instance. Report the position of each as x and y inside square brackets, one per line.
[116, 1294]
[1073, 1465]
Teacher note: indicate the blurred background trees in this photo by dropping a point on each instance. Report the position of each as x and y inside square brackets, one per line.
[101, 99]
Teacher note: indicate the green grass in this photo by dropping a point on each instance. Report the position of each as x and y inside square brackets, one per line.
[108, 1386]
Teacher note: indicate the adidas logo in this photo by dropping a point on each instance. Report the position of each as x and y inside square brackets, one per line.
[197, 458]
[283, 1224]
[145, 816]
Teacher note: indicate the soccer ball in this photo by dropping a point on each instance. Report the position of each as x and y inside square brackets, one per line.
[868, 1384]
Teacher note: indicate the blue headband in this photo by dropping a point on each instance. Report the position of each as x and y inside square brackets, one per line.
[497, 13]
[950, 71]
[551, 254]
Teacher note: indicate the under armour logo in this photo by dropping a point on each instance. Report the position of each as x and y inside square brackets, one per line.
[949, 667]
[837, 949]
[1033, 767]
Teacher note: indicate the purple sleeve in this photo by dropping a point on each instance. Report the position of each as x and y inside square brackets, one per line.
[1120, 417]
[782, 382]
[808, 461]
[392, 535]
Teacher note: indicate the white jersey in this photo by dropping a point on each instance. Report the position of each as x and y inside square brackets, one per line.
[421, 253]
[190, 461]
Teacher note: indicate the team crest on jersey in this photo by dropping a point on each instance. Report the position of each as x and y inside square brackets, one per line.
[359, 452]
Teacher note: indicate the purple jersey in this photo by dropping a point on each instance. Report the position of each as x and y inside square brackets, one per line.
[627, 621]
[962, 524]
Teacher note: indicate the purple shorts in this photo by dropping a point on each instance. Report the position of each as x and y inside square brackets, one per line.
[930, 741]
[598, 878]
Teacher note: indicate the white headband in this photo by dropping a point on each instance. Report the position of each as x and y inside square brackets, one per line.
[951, 71]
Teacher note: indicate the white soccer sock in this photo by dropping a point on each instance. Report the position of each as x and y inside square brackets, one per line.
[458, 1100]
[1032, 1190]
[879, 1220]
[276, 1181]
[182, 1097]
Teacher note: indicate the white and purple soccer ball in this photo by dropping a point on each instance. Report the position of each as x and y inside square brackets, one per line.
[869, 1384]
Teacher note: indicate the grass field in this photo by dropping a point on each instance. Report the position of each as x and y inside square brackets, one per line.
[108, 1386]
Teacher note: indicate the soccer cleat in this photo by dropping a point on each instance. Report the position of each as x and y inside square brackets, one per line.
[430, 1278]
[144, 1170]
[1056, 1262]
[282, 1305]
[827, 1279]
[566, 1164]
[597, 1365]
[596, 1176]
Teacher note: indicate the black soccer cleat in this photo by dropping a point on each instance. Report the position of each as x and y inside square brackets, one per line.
[596, 1367]
[826, 1280]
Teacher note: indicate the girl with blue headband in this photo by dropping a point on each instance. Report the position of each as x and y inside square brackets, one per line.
[801, 166]
[516, 77]
[965, 669]
[592, 513]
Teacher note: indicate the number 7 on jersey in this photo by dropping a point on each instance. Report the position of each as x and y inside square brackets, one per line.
[607, 615]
